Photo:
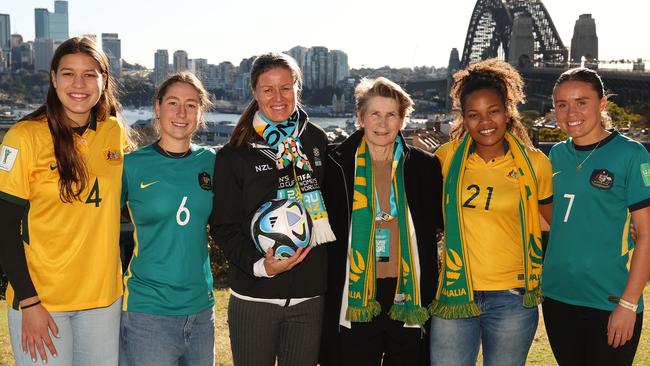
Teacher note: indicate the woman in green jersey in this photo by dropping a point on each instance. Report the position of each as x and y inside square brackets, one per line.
[594, 273]
[167, 314]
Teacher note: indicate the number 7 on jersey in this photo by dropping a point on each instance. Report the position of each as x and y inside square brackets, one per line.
[571, 197]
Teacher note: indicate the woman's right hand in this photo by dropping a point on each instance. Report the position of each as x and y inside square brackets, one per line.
[36, 327]
[275, 266]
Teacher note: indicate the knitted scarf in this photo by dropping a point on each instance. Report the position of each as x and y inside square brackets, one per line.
[362, 305]
[293, 166]
[455, 295]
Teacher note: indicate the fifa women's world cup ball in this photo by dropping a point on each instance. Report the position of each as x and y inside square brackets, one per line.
[281, 224]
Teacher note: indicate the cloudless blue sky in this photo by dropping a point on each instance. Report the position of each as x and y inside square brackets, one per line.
[373, 33]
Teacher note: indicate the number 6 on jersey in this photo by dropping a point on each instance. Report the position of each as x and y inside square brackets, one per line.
[183, 211]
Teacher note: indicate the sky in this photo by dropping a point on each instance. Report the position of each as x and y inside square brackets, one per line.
[398, 33]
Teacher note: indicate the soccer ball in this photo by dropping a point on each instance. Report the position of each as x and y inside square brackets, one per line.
[281, 224]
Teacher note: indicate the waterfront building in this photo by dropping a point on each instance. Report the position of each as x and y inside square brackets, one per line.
[59, 22]
[5, 42]
[22, 53]
[199, 68]
[520, 49]
[41, 23]
[43, 52]
[161, 66]
[112, 46]
[299, 53]
[337, 67]
[316, 68]
[585, 40]
[180, 61]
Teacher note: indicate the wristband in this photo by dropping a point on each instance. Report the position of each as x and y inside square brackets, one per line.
[30, 305]
[628, 305]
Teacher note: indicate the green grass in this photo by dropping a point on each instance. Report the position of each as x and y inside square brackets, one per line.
[540, 353]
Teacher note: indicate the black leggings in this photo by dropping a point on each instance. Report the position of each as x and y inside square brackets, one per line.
[578, 336]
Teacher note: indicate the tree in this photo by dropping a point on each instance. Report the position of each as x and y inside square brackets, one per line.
[621, 118]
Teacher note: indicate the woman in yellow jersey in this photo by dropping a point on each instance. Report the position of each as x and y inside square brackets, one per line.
[495, 186]
[60, 175]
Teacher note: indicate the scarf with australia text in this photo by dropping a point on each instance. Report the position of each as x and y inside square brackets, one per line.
[296, 180]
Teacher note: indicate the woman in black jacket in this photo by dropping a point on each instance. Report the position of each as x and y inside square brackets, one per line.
[274, 152]
[384, 200]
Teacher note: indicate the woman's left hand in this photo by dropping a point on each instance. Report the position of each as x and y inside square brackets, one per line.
[620, 326]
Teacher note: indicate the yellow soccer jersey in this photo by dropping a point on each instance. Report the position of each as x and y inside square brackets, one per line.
[490, 205]
[72, 249]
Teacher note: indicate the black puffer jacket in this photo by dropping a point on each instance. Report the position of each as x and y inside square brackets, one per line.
[244, 178]
[423, 184]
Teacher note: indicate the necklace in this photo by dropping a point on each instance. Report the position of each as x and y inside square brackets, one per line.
[174, 155]
[579, 166]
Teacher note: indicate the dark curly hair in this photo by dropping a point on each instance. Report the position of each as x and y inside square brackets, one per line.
[495, 75]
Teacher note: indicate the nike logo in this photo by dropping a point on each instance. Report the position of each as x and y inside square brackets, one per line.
[52, 166]
[556, 173]
[143, 185]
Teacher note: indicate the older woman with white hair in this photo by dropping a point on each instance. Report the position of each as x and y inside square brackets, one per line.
[384, 199]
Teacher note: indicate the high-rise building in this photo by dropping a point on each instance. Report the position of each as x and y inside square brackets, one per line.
[16, 40]
[161, 66]
[200, 67]
[341, 68]
[180, 61]
[112, 46]
[316, 68]
[59, 22]
[520, 49]
[42, 23]
[585, 40]
[299, 53]
[43, 52]
[5, 41]
[16, 52]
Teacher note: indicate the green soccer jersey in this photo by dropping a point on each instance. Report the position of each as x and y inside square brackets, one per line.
[590, 249]
[170, 200]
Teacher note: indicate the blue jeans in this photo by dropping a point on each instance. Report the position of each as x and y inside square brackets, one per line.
[505, 328]
[86, 337]
[161, 340]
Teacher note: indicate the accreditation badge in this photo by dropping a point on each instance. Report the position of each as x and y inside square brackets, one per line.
[382, 244]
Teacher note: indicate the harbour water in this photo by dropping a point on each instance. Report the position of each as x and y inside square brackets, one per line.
[134, 115]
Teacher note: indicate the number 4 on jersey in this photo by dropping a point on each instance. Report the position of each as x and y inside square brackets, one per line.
[93, 196]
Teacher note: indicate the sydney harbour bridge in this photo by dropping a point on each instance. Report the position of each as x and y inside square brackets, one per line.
[489, 35]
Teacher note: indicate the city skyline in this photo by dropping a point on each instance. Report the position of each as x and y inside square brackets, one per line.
[372, 34]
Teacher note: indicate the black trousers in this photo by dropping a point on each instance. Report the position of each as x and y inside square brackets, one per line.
[578, 336]
[383, 341]
[262, 333]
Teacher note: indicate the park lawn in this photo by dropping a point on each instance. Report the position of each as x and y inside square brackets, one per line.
[540, 352]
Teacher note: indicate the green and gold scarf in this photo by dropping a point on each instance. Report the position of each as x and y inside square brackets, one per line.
[362, 304]
[455, 295]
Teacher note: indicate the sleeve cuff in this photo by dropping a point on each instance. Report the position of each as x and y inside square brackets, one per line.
[259, 270]
[639, 205]
[13, 199]
[546, 200]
